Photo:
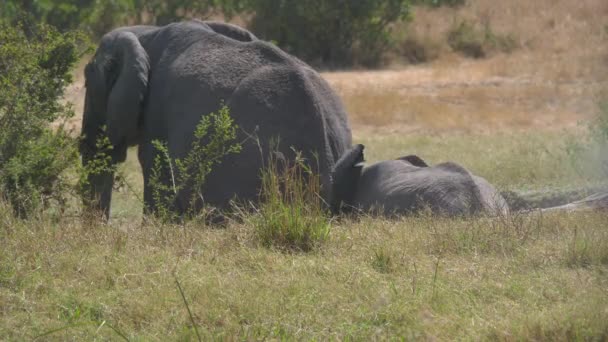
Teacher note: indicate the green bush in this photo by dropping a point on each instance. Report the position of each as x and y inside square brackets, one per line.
[34, 71]
[63, 15]
[322, 32]
[465, 38]
[163, 12]
[92, 16]
[326, 32]
[292, 215]
[474, 42]
[418, 50]
[214, 139]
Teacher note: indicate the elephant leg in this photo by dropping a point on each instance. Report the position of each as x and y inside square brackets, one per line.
[145, 154]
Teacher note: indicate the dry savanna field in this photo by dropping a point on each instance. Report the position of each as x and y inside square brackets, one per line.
[520, 119]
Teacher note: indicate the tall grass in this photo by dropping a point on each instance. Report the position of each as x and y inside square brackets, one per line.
[292, 214]
[541, 278]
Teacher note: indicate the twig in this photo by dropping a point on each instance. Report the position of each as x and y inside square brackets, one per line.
[188, 308]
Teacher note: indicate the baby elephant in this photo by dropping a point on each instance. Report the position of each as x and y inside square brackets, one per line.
[408, 185]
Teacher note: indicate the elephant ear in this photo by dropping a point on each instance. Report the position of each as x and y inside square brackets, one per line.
[345, 178]
[129, 67]
[414, 160]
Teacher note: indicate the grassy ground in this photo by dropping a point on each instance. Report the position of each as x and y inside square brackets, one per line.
[518, 278]
[510, 118]
[521, 277]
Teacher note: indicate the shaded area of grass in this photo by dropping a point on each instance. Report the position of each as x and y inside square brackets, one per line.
[421, 277]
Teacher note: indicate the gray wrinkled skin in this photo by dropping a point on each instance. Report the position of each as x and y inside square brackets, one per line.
[407, 185]
[146, 83]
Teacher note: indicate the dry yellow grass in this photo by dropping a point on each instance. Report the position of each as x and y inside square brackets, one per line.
[554, 80]
[407, 99]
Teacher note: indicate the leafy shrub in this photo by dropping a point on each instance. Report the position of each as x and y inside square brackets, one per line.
[292, 215]
[327, 32]
[214, 138]
[419, 50]
[163, 12]
[467, 40]
[501, 42]
[321, 32]
[34, 71]
[63, 14]
[473, 42]
[93, 16]
[103, 16]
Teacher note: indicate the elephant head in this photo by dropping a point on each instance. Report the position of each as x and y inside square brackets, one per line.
[116, 84]
[408, 184]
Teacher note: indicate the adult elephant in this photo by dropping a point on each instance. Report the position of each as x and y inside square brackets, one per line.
[149, 83]
[408, 185]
